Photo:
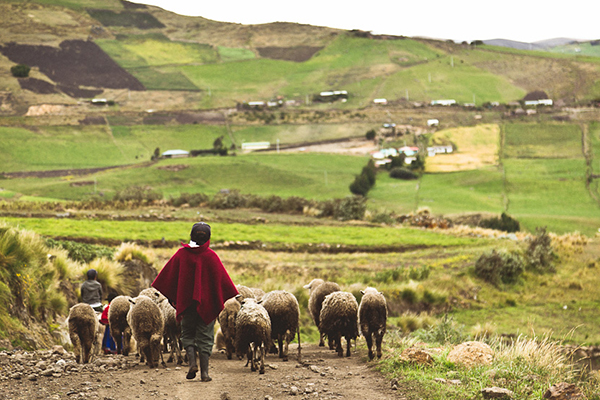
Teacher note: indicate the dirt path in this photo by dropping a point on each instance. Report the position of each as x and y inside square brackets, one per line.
[322, 375]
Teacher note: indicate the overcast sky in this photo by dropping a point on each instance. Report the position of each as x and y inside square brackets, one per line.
[521, 20]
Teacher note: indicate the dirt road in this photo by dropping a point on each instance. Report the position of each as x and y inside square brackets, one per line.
[322, 375]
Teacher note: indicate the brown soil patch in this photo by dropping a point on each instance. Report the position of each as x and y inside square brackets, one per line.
[77, 92]
[37, 86]
[93, 120]
[73, 63]
[297, 53]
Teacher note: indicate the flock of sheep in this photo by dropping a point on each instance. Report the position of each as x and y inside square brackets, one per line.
[250, 324]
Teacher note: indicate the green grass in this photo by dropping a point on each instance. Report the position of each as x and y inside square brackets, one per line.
[542, 141]
[578, 49]
[229, 54]
[271, 233]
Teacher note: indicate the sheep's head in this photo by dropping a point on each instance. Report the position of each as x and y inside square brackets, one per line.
[313, 284]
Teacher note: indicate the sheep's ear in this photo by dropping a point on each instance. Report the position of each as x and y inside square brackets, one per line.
[131, 301]
[239, 298]
[307, 286]
[362, 292]
[381, 292]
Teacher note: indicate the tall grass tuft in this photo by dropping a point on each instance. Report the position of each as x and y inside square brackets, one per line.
[131, 251]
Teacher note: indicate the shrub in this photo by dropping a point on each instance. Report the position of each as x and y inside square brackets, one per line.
[81, 252]
[137, 194]
[445, 331]
[397, 161]
[227, 199]
[403, 173]
[20, 70]
[192, 199]
[351, 207]
[361, 185]
[540, 254]
[499, 267]
[370, 135]
[505, 223]
[131, 251]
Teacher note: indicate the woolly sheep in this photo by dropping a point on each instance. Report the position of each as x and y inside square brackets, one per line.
[227, 321]
[147, 324]
[172, 328]
[119, 328]
[245, 291]
[339, 317]
[252, 332]
[258, 293]
[83, 325]
[372, 318]
[318, 289]
[284, 313]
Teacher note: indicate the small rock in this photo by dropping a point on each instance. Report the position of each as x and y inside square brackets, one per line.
[267, 397]
[439, 380]
[496, 393]
[416, 355]
[142, 382]
[32, 377]
[564, 391]
[294, 390]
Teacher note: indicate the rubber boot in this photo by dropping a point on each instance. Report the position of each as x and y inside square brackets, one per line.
[204, 368]
[191, 353]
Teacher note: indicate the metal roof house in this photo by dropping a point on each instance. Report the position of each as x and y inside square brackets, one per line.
[175, 154]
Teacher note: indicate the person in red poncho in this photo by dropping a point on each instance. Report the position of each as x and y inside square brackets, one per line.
[197, 285]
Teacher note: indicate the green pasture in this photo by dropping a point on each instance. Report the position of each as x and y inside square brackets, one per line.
[228, 54]
[270, 233]
[64, 147]
[577, 49]
[290, 134]
[542, 141]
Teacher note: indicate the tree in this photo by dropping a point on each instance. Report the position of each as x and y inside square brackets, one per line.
[20, 70]
[361, 185]
[370, 135]
[156, 154]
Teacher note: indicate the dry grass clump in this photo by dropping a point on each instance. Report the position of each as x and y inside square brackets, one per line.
[470, 231]
[480, 331]
[573, 242]
[131, 251]
[410, 321]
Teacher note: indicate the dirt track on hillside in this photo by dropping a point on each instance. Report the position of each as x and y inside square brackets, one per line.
[321, 375]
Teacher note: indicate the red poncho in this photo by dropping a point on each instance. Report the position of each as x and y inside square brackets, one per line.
[196, 274]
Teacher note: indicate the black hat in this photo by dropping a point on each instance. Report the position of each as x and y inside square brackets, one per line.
[200, 233]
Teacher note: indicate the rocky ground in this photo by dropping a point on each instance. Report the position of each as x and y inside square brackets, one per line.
[53, 374]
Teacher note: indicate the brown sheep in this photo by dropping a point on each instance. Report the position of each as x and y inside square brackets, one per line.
[83, 325]
[119, 328]
[227, 321]
[318, 289]
[252, 332]
[372, 318]
[147, 325]
[284, 312]
[339, 317]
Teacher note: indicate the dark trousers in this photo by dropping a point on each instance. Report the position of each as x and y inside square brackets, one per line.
[194, 332]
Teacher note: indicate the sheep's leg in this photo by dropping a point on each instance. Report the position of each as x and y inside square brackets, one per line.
[126, 344]
[321, 341]
[147, 351]
[116, 335]
[178, 350]
[261, 351]
[378, 340]
[299, 347]
[251, 357]
[286, 345]
[348, 345]
[280, 345]
[369, 339]
[76, 346]
[338, 345]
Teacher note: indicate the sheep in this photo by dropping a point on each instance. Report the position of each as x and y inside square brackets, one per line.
[220, 341]
[227, 319]
[172, 329]
[252, 332]
[372, 318]
[83, 328]
[147, 325]
[284, 313]
[318, 289]
[339, 317]
[119, 328]
[245, 291]
[258, 293]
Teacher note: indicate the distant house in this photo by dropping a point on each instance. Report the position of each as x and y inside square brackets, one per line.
[384, 153]
[256, 104]
[380, 101]
[331, 96]
[433, 122]
[409, 151]
[433, 150]
[542, 102]
[255, 146]
[448, 102]
[175, 154]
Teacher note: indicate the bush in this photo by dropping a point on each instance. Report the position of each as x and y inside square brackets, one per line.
[445, 331]
[370, 135]
[351, 207]
[403, 173]
[81, 252]
[499, 267]
[192, 199]
[505, 223]
[540, 255]
[20, 70]
[227, 199]
[361, 185]
[131, 251]
[397, 161]
[138, 194]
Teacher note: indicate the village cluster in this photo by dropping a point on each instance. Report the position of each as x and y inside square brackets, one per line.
[251, 324]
